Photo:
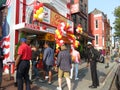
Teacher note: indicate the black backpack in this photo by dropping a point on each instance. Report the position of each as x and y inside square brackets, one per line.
[98, 56]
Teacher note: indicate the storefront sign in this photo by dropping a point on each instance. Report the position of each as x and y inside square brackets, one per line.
[32, 26]
[45, 1]
[46, 18]
[56, 19]
[51, 30]
[50, 37]
[47, 36]
[75, 8]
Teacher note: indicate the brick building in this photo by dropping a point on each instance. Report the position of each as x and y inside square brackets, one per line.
[99, 26]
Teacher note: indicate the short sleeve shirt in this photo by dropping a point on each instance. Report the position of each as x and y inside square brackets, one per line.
[25, 51]
[76, 55]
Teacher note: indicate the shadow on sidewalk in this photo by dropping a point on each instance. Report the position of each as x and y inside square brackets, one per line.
[81, 75]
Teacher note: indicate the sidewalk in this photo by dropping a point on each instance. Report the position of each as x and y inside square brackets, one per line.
[83, 82]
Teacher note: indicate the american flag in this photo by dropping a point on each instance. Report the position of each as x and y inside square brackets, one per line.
[5, 42]
[8, 3]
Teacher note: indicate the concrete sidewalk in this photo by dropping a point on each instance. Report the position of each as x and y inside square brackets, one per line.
[83, 82]
[84, 78]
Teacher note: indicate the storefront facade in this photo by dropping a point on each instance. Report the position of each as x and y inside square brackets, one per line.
[35, 31]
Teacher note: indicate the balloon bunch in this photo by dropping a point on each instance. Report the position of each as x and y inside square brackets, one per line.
[79, 29]
[73, 40]
[38, 12]
[60, 31]
[64, 29]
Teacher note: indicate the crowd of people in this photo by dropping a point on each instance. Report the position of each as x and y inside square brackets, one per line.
[67, 64]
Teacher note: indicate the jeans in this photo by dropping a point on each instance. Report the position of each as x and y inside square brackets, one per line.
[76, 70]
[35, 68]
[74, 67]
[22, 73]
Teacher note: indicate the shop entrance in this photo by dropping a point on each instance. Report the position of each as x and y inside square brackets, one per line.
[38, 40]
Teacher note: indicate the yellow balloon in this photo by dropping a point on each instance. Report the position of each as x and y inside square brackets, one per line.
[57, 46]
[41, 9]
[59, 36]
[67, 25]
[35, 16]
[56, 31]
[38, 12]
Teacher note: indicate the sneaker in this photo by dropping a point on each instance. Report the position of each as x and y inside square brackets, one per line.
[46, 77]
[59, 88]
[49, 83]
[42, 81]
[76, 78]
[70, 77]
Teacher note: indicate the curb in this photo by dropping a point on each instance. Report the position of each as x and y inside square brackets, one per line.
[109, 79]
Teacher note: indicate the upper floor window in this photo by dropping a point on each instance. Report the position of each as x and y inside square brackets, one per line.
[74, 17]
[85, 25]
[80, 21]
[85, 8]
[96, 23]
[81, 7]
[96, 39]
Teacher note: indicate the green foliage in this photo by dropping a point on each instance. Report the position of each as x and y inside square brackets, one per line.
[2, 2]
[117, 21]
[22, 35]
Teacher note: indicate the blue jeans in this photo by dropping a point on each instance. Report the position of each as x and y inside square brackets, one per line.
[22, 73]
[76, 70]
[75, 67]
[35, 68]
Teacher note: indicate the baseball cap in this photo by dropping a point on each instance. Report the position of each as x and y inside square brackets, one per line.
[89, 43]
[23, 40]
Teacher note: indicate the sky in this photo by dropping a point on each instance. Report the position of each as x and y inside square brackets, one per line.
[106, 6]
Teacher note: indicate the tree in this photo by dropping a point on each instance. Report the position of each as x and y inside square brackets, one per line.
[117, 21]
[2, 3]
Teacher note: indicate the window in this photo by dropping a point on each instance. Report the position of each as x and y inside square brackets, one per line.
[80, 21]
[81, 7]
[96, 39]
[85, 25]
[85, 8]
[96, 23]
[74, 18]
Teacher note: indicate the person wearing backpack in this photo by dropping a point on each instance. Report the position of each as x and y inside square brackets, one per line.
[92, 59]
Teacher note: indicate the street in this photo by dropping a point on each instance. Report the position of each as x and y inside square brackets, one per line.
[105, 75]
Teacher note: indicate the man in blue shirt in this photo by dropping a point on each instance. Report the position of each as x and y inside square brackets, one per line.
[48, 61]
